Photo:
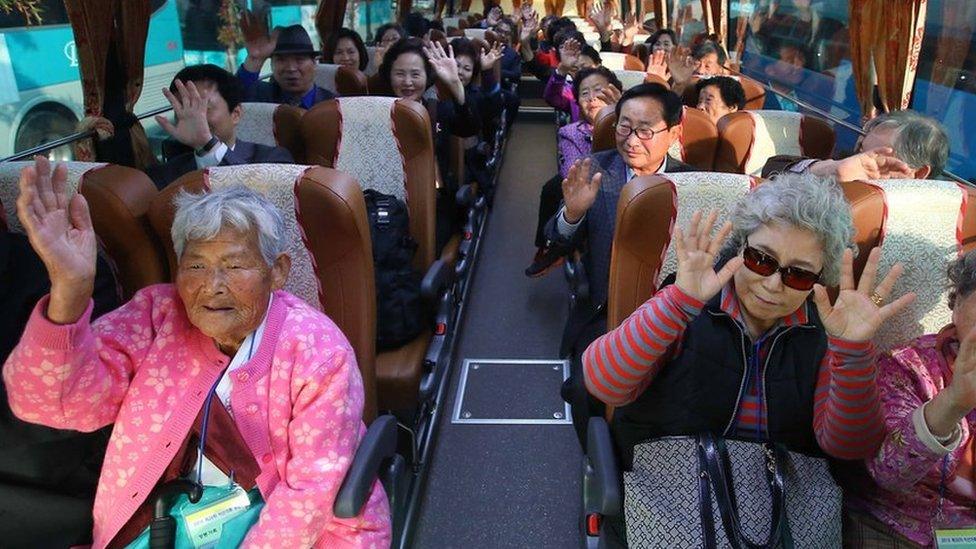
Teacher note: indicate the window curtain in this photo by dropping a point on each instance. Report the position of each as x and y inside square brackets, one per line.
[716, 18]
[887, 36]
[329, 18]
[101, 28]
[661, 14]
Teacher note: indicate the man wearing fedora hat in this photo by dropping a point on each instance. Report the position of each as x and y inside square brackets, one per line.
[292, 64]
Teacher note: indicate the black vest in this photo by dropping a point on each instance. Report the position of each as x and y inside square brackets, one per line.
[699, 390]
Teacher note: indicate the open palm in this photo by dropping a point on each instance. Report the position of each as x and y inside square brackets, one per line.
[696, 251]
[859, 312]
[60, 230]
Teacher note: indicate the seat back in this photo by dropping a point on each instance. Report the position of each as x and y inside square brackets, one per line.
[386, 144]
[630, 78]
[273, 125]
[371, 66]
[118, 199]
[621, 61]
[747, 139]
[697, 145]
[281, 184]
[475, 33]
[754, 91]
[325, 76]
[925, 225]
[649, 209]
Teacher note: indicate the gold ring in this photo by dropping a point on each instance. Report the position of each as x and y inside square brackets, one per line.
[877, 299]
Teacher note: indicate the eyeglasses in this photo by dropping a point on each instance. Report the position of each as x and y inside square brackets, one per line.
[644, 134]
[764, 264]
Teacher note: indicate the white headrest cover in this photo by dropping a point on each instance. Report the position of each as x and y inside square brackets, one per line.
[257, 123]
[920, 231]
[368, 148]
[777, 132]
[10, 185]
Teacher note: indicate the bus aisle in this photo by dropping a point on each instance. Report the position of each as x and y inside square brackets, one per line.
[513, 485]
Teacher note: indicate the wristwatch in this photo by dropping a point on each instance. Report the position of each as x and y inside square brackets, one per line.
[202, 151]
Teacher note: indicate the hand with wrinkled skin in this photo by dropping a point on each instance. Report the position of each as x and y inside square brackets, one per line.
[445, 67]
[579, 190]
[696, 251]
[258, 42]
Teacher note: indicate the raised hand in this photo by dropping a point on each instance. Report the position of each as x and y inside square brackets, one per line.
[530, 26]
[657, 64]
[190, 108]
[569, 56]
[859, 312]
[494, 16]
[580, 190]
[681, 65]
[259, 44]
[631, 27]
[608, 95]
[601, 16]
[696, 251]
[944, 412]
[490, 57]
[877, 163]
[60, 231]
[445, 67]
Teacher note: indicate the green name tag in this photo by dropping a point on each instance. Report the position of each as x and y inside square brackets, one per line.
[204, 521]
[957, 538]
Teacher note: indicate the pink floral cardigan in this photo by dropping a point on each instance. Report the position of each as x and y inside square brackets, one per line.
[906, 471]
[298, 404]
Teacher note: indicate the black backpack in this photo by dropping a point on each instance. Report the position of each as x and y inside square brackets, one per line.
[400, 315]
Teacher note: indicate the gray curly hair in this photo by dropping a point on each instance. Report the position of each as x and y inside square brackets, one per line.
[202, 216]
[804, 201]
[962, 278]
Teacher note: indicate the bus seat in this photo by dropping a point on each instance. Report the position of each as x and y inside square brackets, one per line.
[451, 22]
[118, 199]
[868, 212]
[438, 36]
[351, 82]
[643, 254]
[325, 76]
[755, 92]
[621, 61]
[926, 224]
[386, 144]
[629, 78]
[475, 33]
[278, 183]
[454, 32]
[699, 137]
[592, 38]
[273, 125]
[747, 139]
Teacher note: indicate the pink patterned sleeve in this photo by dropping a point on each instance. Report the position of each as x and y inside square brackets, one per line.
[903, 459]
[74, 376]
[323, 434]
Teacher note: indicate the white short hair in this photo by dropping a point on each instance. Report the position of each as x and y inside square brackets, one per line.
[202, 216]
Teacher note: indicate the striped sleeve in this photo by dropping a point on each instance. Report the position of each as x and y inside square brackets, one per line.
[621, 363]
[847, 410]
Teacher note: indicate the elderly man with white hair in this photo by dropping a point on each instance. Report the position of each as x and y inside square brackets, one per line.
[275, 443]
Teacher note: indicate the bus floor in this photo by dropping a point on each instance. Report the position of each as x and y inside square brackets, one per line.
[507, 485]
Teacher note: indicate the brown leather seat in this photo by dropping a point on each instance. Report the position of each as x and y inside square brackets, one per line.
[699, 137]
[273, 125]
[330, 213]
[344, 81]
[755, 92]
[118, 199]
[387, 145]
[747, 139]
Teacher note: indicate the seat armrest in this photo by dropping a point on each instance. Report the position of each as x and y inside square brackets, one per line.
[466, 196]
[377, 446]
[439, 276]
[605, 492]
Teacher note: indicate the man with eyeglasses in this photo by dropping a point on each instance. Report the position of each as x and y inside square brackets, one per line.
[648, 123]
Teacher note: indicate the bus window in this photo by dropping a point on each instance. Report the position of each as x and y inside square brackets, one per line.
[802, 49]
[37, 106]
[945, 86]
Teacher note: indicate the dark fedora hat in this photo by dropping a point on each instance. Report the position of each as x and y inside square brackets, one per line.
[294, 40]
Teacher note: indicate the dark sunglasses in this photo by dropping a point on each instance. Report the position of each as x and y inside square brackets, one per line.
[764, 264]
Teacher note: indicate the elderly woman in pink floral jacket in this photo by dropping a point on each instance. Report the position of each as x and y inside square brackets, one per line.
[923, 474]
[280, 373]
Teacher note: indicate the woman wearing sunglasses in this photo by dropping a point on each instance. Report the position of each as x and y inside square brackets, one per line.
[746, 343]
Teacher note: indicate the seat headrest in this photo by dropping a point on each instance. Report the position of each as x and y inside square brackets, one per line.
[475, 33]
[10, 185]
[747, 139]
[368, 146]
[923, 228]
[629, 79]
[274, 126]
[325, 76]
[697, 145]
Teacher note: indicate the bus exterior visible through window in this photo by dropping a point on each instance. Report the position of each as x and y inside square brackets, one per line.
[40, 87]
